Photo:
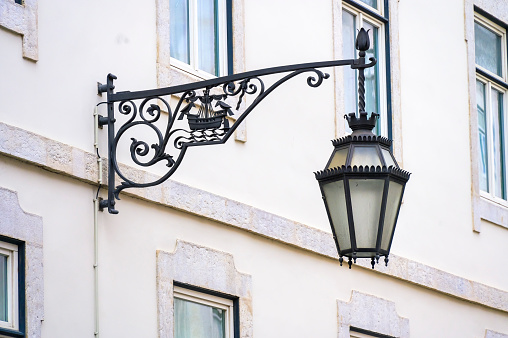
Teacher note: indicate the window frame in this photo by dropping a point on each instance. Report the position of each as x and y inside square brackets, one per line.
[213, 298]
[15, 327]
[224, 17]
[379, 18]
[493, 82]
[484, 209]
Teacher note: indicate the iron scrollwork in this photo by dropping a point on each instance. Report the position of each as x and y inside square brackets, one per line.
[206, 106]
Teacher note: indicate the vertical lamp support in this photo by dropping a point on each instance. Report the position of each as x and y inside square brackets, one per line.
[110, 121]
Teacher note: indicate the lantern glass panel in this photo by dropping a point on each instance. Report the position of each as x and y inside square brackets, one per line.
[336, 201]
[339, 158]
[388, 158]
[392, 208]
[366, 198]
[365, 156]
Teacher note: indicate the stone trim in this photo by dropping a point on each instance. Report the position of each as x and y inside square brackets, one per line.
[22, 19]
[168, 75]
[79, 164]
[382, 316]
[493, 334]
[206, 268]
[16, 223]
[394, 73]
[482, 208]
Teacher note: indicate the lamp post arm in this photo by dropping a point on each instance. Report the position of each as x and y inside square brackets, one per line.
[207, 116]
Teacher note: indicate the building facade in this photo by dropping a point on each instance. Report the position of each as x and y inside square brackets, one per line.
[237, 242]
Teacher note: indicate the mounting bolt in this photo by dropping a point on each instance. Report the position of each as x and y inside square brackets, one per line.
[102, 121]
[101, 88]
[102, 204]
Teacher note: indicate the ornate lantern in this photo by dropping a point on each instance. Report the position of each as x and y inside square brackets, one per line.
[362, 186]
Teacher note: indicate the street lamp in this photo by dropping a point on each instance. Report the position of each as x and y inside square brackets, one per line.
[362, 185]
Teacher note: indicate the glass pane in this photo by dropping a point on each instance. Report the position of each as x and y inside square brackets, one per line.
[482, 133]
[339, 158]
[179, 30]
[365, 156]
[193, 320]
[336, 200]
[388, 158]
[207, 36]
[4, 303]
[487, 49]
[366, 196]
[497, 133]
[371, 3]
[349, 52]
[392, 206]
[371, 76]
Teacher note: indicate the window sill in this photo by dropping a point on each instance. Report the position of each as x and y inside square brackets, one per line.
[10, 333]
[185, 68]
[494, 211]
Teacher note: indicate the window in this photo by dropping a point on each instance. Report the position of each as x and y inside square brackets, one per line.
[200, 36]
[9, 301]
[371, 15]
[491, 106]
[202, 314]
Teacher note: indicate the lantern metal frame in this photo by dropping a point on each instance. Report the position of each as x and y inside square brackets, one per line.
[347, 173]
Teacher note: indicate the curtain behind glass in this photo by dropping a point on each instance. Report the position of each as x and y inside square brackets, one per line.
[207, 36]
[482, 133]
[179, 39]
[193, 320]
[348, 52]
[487, 49]
[497, 133]
[3, 289]
[371, 3]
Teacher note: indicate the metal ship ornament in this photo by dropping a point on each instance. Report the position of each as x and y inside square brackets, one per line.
[206, 106]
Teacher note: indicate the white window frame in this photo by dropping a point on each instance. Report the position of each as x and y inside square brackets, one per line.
[209, 300]
[360, 17]
[489, 86]
[11, 251]
[193, 67]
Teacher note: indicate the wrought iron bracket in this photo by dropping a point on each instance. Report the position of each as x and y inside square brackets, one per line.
[205, 105]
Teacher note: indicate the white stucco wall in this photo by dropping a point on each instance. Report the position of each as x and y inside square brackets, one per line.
[295, 290]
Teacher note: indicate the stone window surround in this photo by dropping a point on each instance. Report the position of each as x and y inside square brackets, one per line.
[394, 75]
[167, 75]
[382, 319]
[204, 268]
[22, 19]
[17, 224]
[494, 334]
[482, 208]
